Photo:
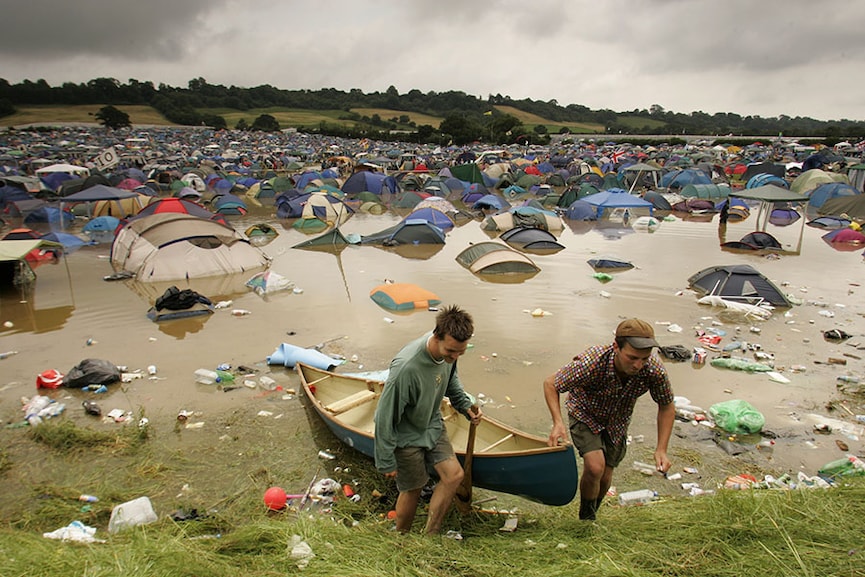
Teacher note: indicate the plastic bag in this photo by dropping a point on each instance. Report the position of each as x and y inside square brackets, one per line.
[92, 372]
[737, 416]
[740, 364]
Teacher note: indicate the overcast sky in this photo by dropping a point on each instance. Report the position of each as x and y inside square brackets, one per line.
[751, 57]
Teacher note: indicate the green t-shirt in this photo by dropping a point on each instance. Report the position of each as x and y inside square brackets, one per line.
[409, 409]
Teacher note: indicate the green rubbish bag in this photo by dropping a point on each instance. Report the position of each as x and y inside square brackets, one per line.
[737, 416]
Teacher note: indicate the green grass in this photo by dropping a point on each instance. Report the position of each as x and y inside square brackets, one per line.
[287, 117]
[530, 120]
[807, 533]
[223, 470]
[76, 114]
[638, 122]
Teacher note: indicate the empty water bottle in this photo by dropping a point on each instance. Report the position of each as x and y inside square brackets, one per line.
[637, 497]
[206, 376]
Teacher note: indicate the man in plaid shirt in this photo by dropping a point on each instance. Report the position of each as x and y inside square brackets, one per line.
[603, 384]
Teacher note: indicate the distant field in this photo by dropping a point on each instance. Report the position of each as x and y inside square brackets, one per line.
[641, 123]
[84, 113]
[296, 117]
[531, 120]
[306, 118]
[386, 114]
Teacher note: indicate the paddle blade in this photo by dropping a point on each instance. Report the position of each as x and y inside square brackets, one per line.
[464, 491]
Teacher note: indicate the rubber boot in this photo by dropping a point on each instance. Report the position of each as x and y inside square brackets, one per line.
[587, 509]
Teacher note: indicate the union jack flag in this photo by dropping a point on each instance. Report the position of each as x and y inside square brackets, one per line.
[617, 156]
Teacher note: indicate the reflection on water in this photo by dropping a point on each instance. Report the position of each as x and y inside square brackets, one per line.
[334, 307]
[216, 288]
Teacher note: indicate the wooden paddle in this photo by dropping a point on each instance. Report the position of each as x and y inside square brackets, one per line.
[464, 491]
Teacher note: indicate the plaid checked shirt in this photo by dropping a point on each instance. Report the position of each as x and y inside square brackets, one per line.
[600, 399]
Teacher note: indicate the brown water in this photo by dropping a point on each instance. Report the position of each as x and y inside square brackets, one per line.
[512, 350]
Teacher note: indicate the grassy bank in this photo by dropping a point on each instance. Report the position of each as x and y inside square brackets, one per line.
[215, 477]
[735, 533]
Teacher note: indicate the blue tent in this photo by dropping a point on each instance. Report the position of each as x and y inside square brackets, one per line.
[681, 178]
[581, 210]
[304, 179]
[490, 201]
[287, 207]
[473, 192]
[49, 214]
[824, 192]
[102, 224]
[432, 216]
[70, 242]
[366, 181]
[10, 193]
[616, 198]
[765, 178]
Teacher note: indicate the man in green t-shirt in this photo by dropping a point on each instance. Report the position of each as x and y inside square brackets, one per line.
[410, 436]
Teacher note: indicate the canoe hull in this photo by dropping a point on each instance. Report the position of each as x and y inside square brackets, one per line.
[524, 466]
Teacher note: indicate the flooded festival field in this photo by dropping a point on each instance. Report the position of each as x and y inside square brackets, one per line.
[527, 326]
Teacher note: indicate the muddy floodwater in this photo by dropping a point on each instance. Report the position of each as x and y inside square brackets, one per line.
[73, 314]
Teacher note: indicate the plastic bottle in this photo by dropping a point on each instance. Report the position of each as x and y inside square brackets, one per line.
[206, 376]
[637, 497]
[645, 468]
[224, 377]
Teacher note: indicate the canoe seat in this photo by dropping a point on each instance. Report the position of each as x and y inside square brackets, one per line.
[351, 401]
[504, 439]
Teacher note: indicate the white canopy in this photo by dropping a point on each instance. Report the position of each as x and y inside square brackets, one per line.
[80, 171]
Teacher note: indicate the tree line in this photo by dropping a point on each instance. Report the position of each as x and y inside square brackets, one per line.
[466, 117]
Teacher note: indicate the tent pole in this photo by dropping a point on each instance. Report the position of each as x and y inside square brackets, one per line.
[801, 234]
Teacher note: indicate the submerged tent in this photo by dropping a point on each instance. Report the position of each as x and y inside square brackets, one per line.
[14, 265]
[769, 195]
[495, 258]
[432, 216]
[609, 263]
[852, 206]
[617, 198]
[523, 216]
[531, 239]
[409, 231]
[754, 241]
[331, 239]
[403, 297]
[171, 246]
[740, 283]
[845, 239]
[828, 191]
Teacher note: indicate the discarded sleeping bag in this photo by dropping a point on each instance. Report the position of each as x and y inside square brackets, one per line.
[175, 299]
[92, 372]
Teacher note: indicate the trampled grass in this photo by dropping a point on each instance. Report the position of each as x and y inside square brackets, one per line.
[766, 533]
[226, 530]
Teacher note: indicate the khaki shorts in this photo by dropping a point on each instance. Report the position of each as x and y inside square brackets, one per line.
[586, 441]
[414, 464]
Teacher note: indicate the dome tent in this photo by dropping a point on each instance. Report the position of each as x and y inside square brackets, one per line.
[741, 283]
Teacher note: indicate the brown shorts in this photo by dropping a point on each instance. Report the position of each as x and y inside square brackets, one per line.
[586, 441]
[413, 464]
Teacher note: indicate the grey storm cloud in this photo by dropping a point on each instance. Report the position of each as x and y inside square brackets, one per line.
[765, 57]
[155, 29]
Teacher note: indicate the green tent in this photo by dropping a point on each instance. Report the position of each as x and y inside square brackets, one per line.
[469, 172]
